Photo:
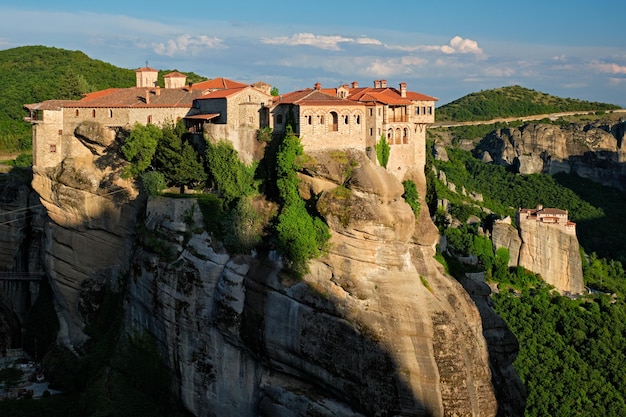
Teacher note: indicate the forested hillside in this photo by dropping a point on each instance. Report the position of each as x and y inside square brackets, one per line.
[513, 101]
[571, 356]
[31, 74]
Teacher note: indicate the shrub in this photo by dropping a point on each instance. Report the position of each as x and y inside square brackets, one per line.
[382, 151]
[153, 182]
[411, 196]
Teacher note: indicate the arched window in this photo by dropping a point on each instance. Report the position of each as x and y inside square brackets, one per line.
[405, 135]
[398, 137]
[335, 125]
[357, 119]
[390, 136]
[346, 119]
[320, 119]
[93, 113]
[279, 119]
[309, 120]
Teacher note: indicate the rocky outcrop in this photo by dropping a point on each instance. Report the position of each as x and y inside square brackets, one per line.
[92, 218]
[545, 249]
[374, 329]
[593, 151]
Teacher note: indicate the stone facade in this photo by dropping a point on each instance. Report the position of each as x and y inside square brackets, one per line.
[356, 118]
[346, 117]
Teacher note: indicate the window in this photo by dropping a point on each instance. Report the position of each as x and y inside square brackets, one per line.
[321, 120]
[371, 131]
[60, 132]
[371, 112]
[110, 113]
[398, 137]
[424, 110]
[309, 120]
[417, 110]
[279, 119]
[150, 119]
[76, 113]
[357, 119]
[93, 113]
[380, 112]
[346, 119]
[405, 136]
[53, 148]
[430, 111]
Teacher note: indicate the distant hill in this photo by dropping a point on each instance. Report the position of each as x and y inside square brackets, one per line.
[513, 101]
[31, 74]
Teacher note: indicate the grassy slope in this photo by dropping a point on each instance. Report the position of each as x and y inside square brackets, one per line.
[31, 74]
[513, 101]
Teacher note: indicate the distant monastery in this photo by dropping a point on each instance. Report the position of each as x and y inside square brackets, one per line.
[345, 117]
[546, 216]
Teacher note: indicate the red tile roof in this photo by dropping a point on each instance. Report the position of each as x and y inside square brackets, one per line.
[136, 97]
[217, 84]
[175, 74]
[311, 97]
[222, 93]
[146, 69]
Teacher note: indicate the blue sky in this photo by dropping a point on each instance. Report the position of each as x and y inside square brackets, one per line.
[444, 49]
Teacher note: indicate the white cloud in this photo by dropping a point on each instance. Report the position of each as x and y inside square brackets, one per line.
[457, 45]
[327, 42]
[609, 67]
[186, 44]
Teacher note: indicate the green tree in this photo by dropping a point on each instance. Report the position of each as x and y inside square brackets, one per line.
[301, 236]
[274, 91]
[153, 182]
[232, 178]
[382, 151]
[139, 148]
[411, 196]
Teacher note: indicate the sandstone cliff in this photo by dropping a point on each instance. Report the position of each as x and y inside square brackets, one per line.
[375, 328]
[92, 218]
[593, 151]
[21, 224]
[545, 249]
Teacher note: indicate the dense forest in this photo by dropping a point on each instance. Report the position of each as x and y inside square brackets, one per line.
[31, 74]
[572, 349]
[513, 101]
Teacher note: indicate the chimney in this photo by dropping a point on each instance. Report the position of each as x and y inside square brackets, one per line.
[403, 89]
[383, 83]
[355, 84]
[318, 86]
[157, 91]
[376, 83]
[147, 96]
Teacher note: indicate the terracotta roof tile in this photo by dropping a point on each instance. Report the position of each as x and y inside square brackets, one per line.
[146, 69]
[222, 93]
[175, 74]
[217, 84]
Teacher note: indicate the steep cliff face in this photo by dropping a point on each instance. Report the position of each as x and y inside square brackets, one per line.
[545, 249]
[21, 224]
[375, 328]
[92, 218]
[593, 151]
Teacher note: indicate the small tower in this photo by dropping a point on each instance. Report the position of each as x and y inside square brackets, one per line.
[175, 80]
[146, 77]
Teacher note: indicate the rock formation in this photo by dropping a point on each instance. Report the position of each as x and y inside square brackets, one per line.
[593, 151]
[375, 328]
[93, 215]
[545, 249]
[21, 225]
